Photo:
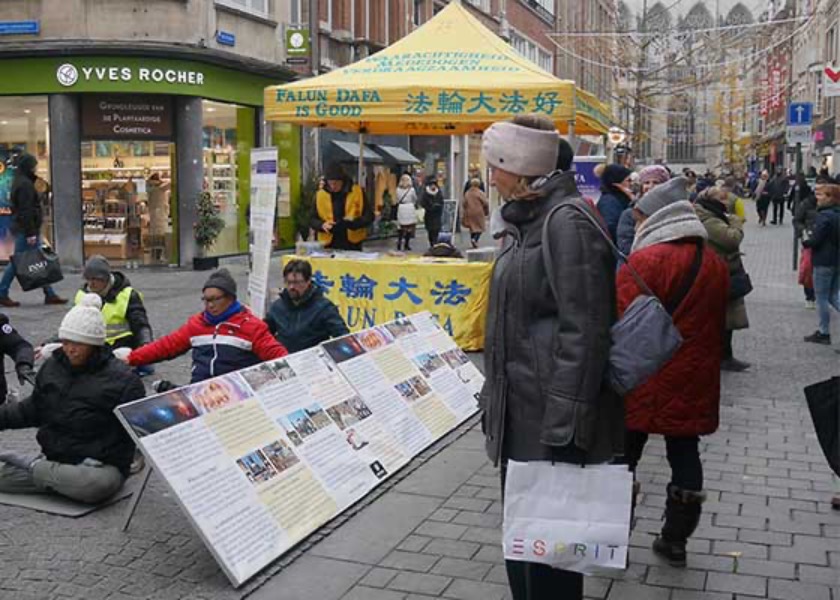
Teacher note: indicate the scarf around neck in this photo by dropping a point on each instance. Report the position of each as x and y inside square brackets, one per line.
[231, 310]
[673, 222]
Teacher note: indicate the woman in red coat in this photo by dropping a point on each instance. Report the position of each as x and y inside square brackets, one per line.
[682, 400]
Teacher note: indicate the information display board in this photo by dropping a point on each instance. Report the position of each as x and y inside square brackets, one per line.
[260, 458]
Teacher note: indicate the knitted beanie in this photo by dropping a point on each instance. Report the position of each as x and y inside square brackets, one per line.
[614, 174]
[520, 150]
[97, 267]
[661, 196]
[654, 174]
[222, 280]
[84, 323]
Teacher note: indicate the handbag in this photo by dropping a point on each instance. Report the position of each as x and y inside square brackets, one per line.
[740, 283]
[36, 267]
[567, 516]
[645, 337]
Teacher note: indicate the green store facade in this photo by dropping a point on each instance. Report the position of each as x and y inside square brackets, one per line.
[127, 144]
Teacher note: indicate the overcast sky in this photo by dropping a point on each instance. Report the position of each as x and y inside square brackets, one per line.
[683, 6]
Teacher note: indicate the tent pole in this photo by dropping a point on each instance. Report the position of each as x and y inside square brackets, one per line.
[360, 180]
[571, 135]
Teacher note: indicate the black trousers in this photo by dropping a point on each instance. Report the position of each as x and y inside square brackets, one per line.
[535, 581]
[778, 211]
[683, 455]
[727, 344]
[433, 232]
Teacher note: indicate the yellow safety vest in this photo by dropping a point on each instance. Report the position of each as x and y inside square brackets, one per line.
[116, 325]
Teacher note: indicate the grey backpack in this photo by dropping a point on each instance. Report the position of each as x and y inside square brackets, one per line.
[645, 337]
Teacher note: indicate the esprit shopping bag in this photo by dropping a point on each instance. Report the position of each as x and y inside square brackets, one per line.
[36, 267]
[568, 516]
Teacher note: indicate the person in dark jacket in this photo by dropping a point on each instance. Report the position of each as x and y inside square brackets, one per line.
[86, 453]
[431, 199]
[682, 400]
[548, 329]
[342, 214]
[778, 189]
[824, 243]
[20, 351]
[649, 177]
[804, 216]
[303, 316]
[225, 337]
[616, 196]
[27, 219]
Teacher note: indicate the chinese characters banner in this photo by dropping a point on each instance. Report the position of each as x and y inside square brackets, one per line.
[369, 293]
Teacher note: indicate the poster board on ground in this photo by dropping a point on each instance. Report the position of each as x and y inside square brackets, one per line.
[450, 215]
[260, 458]
[263, 204]
[588, 184]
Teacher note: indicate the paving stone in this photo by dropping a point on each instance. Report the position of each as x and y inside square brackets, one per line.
[825, 575]
[443, 514]
[740, 549]
[477, 519]
[741, 522]
[443, 474]
[452, 548]
[434, 529]
[498, 574]
[767, 538]
[409, 561]
[797, 590]
[465, 569]
[467, 491]
[421, 583]
[482, 535]
[677, 578]
[414, 543]
[378, 577]
[463, 589]
[736, 584]
[624, 590]
[333, 577]
[369, 593]
[765, 568]
[692, 595]
[490, 553]
[596, 587]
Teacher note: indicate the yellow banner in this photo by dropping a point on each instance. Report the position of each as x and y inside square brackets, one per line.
[372, 292]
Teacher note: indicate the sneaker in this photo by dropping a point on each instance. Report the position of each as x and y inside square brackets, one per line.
[8, 302]
[819, 338]
[55, 300]
[734, 365]
[673, 552]
[810, 305]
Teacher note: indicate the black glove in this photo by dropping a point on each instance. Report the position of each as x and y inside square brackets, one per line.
[26, 374]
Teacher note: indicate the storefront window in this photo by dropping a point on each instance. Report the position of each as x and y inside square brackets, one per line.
[229, 134]
[24, 127]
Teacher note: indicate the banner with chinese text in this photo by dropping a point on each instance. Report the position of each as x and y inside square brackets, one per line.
[371, 292]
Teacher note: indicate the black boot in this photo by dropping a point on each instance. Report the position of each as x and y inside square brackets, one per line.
[682, 514]
[399, 240]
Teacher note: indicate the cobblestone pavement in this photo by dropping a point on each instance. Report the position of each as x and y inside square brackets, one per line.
[767, 529]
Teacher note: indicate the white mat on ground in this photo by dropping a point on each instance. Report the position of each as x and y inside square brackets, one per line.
[58, 505]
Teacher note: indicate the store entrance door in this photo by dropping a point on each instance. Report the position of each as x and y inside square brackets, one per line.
[126, 196]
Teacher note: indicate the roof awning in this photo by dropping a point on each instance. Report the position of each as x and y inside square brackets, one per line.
[395, 154]
[351, 150]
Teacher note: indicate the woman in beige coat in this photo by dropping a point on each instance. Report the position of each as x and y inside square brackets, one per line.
[475, 211]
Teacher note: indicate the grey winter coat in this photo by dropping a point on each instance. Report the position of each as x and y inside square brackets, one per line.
[545, 396]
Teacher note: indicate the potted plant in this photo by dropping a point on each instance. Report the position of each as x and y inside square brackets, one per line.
[208, 226]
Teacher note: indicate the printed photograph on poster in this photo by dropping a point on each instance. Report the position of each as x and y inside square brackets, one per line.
[401, 328]
[260, 376]
[256, 467]
[280, 456]
[407, 391]
[284, 196]
[378, 337]
[348, 413]
[355, 439]
[419, 384]
[157, 413]
[344, 348]
[218, 393]
[455, 358]
[428, 362]
[282, 370]
[302, 423]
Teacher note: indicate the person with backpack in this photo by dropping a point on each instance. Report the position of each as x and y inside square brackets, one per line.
[824, 243]
[27, 219]
[552, 304]
[682, 400]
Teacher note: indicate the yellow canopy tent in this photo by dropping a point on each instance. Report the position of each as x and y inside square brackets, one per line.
[452, 76]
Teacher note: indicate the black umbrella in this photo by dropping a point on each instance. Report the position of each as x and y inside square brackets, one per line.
[824, 404]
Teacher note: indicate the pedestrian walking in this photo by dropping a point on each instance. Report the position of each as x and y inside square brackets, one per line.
[762, 197]
[341, 213]
[85, 451]
[779, 188]
[682, 401]
[225, 337]
[824, 243]
[406, 213]
[27, 219]
[726, 232]
[475, 212]
[616, 196]
[804, 216]
[545, 396]
[431, 199]
[303, 317]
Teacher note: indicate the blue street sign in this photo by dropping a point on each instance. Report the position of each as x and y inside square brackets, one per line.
[800, 113]
[20, 27]
[225, 38]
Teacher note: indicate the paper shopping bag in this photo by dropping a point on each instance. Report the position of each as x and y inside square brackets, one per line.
[568, 516]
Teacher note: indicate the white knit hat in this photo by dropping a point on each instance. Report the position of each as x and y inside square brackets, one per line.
[520, 150]
[84, 323]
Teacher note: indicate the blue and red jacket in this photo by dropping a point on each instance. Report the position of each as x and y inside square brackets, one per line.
[241, 341]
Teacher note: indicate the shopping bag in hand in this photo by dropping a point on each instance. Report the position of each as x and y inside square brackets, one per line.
[567, 516]
[36, 267]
